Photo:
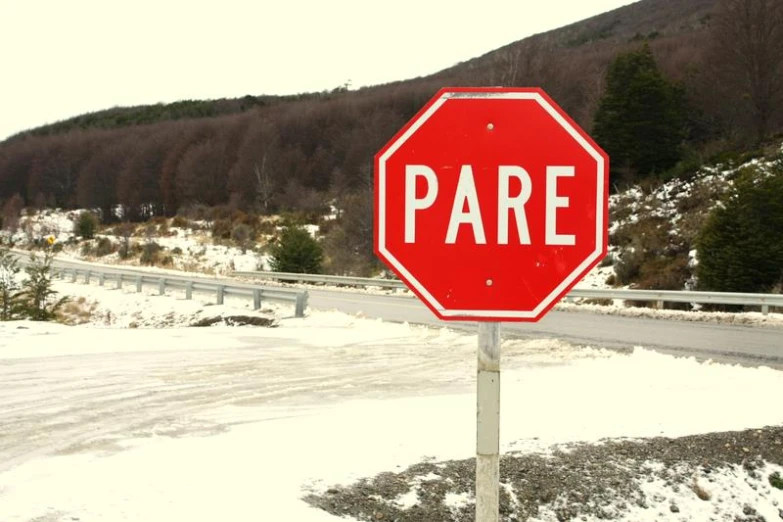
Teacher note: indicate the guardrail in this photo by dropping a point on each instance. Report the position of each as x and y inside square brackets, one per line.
[221, 290]
[323, 279]
[765, 301]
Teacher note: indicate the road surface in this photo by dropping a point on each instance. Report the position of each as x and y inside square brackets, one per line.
[721, 342]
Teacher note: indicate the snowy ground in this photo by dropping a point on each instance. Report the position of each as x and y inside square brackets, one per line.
[104, 422]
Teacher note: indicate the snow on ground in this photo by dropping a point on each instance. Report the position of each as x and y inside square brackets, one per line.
[174, 423]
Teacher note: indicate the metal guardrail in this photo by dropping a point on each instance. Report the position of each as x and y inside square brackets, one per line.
[221, 290]
[765, 301]
[323, 279]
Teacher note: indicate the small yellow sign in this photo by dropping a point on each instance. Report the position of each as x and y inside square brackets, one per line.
[50, 240]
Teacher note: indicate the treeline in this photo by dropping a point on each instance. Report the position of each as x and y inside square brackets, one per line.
[117, 117]
[290, 157]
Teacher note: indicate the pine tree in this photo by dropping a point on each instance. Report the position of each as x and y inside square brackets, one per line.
[296, 251]
[640, 119]
[37, 294]
[740, 247]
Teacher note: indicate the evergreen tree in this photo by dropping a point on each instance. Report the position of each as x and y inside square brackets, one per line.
[86, 225]
[38, 294]
[640, 121]
[296, 251]
[740, 247]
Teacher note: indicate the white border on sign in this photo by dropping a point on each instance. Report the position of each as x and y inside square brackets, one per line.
[600, 225]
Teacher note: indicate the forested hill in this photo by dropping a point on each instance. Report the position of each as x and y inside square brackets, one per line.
[608, 33]
[270, 154]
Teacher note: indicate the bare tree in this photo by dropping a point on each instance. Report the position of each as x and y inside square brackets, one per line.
[12, 210]
[264, 186]
[747, 58]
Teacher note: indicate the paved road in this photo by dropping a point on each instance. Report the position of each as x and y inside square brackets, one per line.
[720, 342]
[725, 342]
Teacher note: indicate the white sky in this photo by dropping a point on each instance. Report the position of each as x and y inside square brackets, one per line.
[64, 58]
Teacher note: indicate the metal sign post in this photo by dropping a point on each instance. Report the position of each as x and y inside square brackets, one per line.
[488, 423]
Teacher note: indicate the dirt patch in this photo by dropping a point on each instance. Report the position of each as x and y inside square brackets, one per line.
[237, 320]
[602, 480]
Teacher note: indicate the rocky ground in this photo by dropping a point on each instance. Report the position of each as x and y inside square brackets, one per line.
[663, 477]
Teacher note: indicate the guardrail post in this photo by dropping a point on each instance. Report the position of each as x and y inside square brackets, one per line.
[659, 305]
[101, 279]
[221, 290]
[256, 298]
[139, 282]
[73, 277]
[162, 286]
[189, 290]
[764, 309]
[301, 304]
[119, 281]
[87, 276]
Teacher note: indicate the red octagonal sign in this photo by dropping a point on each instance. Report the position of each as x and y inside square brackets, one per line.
[491, 204]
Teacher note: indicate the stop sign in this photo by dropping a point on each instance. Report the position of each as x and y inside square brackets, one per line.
[491, 204]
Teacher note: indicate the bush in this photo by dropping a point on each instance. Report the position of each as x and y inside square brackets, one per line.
[628, 267]
[195, 212]
[221, 228]
[86, 225]
[149, 253]
[741, 244]
[104, 247]
[242, 235]
[296, 251]
[180, 222]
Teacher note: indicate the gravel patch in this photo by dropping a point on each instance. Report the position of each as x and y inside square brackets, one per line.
[607, 480]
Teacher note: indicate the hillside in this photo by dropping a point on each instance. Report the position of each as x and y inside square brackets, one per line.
[301, 155]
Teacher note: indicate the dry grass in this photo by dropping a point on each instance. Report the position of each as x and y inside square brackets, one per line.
[76, 311]
[700, 491]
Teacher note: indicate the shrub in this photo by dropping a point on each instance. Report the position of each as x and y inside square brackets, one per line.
[149, 253]
[221, 228]
[125, 231]
[296, 251]
[741, 244]
[180, 222]
[86, 225]
[195, 212]
[628, 267]
[242, 235]
[104, 247]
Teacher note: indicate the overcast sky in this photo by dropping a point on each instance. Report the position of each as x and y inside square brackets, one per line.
[61, 58]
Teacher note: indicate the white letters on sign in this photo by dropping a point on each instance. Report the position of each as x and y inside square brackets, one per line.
[466, 191]
[465, 205]
[517, 204]
[553, 202]
[412, 204]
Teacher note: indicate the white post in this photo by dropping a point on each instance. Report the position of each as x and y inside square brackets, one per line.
[488, 423]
